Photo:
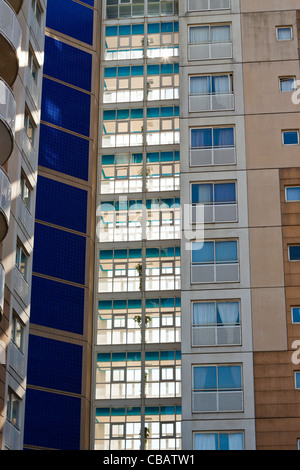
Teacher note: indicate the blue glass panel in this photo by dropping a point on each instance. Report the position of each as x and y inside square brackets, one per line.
[123, 71]
[167, 111]
[106, 254]
[152, 356]
[111, 31]
[118, 411]
[297, 379]
[134, 411]
[153, 69]
[225, 192]
[226, 251]
[109, 114]
[67, 63]
[50, 298]
[133, 356]
[231, 441]
[205, 378]
[203, 252]
[135, 254]
[166, 68]
[102, 411]
[110, 72]
[103, 357]
[118, 357]
[290, 138]
[124, 30]
[167, 27]
[137, 29]
[105, 305]
[294, 252]
[153, 28]
[223, 137]
[52, 420]
[201, 138]
[293, 194]
[167, 156]
[108, 159]
[63, 152]
[202, 193]
[137, 70]
[229, 377]
[120, 304]
[152, 303]
[54, 364]
[123, 114]
[296, 314]
[134, 303]
[59, 254]
[152, 112]
[61, 204]
[137, 113]
[153, 157]
[66, 107]
[80, 19]
[167, 410]
[167, 355]
[151, 410]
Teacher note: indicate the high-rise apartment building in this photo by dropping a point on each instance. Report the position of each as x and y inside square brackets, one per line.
[21, 61]
[164, 311]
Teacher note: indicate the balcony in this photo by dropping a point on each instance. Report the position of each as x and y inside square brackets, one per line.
[16, 4]
[216, 213]
[2, 287]
[10, 43]
[7, 121]
[211, 51]
[212, 156]
[5, 199]
[199, 5]
[211, 102]
[211, 273]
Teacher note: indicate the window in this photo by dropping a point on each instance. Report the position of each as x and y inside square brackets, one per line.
[217, 388]
[13, 409]
[292, 194]
[212, 146]
[211, 92]
[294, 253]
[297, 380]
[32, 64]
[219, 441]
[37, 10]
[216, 323]
[290, 137]
[218, 252]
[21, 260]
[25, 191]
[284, 33]
[29, 127]
[17, 331]
[287, 84]
[210, 42]
[295, 314]
[123, 84]
[215, 261]
[163, 40]
[219, 200]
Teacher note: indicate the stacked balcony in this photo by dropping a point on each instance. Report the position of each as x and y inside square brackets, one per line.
[10, 45]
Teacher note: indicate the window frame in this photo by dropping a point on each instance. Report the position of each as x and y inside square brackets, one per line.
[290, 27]
[290, 131]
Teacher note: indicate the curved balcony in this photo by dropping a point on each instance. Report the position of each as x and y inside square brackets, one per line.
[5, 199]
[7, 121]
[16, 4]
[10, 42]
[2, 287]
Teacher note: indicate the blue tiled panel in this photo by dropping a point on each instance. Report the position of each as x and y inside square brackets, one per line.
[71, 18]
[63, 152]
[52, 420]
[54, 364]
[61, 204]
[66, 107]
[59, 254]
[67, 63]
[57, 305]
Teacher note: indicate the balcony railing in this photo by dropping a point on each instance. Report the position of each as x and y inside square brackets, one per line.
[216, 213]
[10, 42]
[16, 4]
[199, 5]
[2, 288]
[216, 335]
[213, 156]
[213, 272]
[5, 200]
[224, 401]
[210, 51]
[7, 121]
[211, 102]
